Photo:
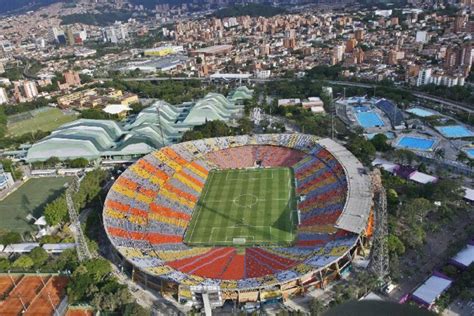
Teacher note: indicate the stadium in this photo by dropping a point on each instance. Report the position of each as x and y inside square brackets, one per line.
[241, 218]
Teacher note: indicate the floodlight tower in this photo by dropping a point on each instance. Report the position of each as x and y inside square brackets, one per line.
[379, 262]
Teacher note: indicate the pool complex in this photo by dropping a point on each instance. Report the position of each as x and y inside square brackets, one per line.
[420, 112]
[470, 152]
[415, 143]
[369, 119]
[454, 131]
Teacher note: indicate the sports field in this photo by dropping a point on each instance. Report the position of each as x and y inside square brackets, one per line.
[30, 198]
[245, 207]
[45, 120]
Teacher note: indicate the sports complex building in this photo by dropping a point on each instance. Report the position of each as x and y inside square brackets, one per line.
[156, 126]
[242, 218]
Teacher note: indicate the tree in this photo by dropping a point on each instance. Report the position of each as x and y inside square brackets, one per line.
[316, 307]
[392, 197]
[404, 156]
[39, 256]
[112, 301]
[98, 268]
[23, 262]
[362, 149]
[9, 167]
[447, 189]
[10, 238]
[134, 309]
[50, 239]
[462, 157]
[79, 163]
[4, 264]
[416, 209]
[395, 245]
[208, 129]
[67, 260]
[56, 212]
[380, 142]
[52, 161]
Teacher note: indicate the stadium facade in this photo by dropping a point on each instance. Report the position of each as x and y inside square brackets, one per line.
[149, 208]
[156, 126]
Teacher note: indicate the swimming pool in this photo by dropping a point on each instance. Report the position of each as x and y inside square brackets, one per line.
[361, 108]
[369, 119]
[470, 152]
[420, 112]
[415, 143]
[455, 131]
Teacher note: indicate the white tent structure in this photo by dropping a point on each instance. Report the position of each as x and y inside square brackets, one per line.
[469, 194]
[58, 248]
[465, 257]
[385, 165]
[423, 178]
[21, 248]
[431, 289]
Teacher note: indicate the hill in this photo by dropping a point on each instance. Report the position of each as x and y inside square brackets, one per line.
[7, 6]
[249, 9]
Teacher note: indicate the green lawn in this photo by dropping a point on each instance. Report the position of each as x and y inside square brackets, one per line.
[245, 207]
[30, 198]
[46, 121]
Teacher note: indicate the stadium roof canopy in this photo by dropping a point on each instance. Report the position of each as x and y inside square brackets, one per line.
[431, 289]
[356, 211]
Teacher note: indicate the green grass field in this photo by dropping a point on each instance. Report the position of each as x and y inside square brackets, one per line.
[30, 198]
[46, 121]
[245, 207]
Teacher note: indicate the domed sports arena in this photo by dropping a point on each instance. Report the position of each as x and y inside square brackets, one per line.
[242, 218]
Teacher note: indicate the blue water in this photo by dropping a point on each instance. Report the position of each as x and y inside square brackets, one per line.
[470, 152]
[455, 131]
[415, 143]
[420, 112]
[369, 119]
[361, 108]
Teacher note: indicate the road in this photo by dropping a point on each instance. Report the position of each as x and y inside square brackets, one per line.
[420, 95]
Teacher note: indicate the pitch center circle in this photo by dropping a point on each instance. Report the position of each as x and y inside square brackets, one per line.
[246, 200]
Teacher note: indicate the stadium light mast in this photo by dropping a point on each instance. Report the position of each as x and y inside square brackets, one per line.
[379, 262]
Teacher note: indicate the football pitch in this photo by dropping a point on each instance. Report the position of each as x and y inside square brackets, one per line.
[45, 120]
[245, 207]
[30, 198]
